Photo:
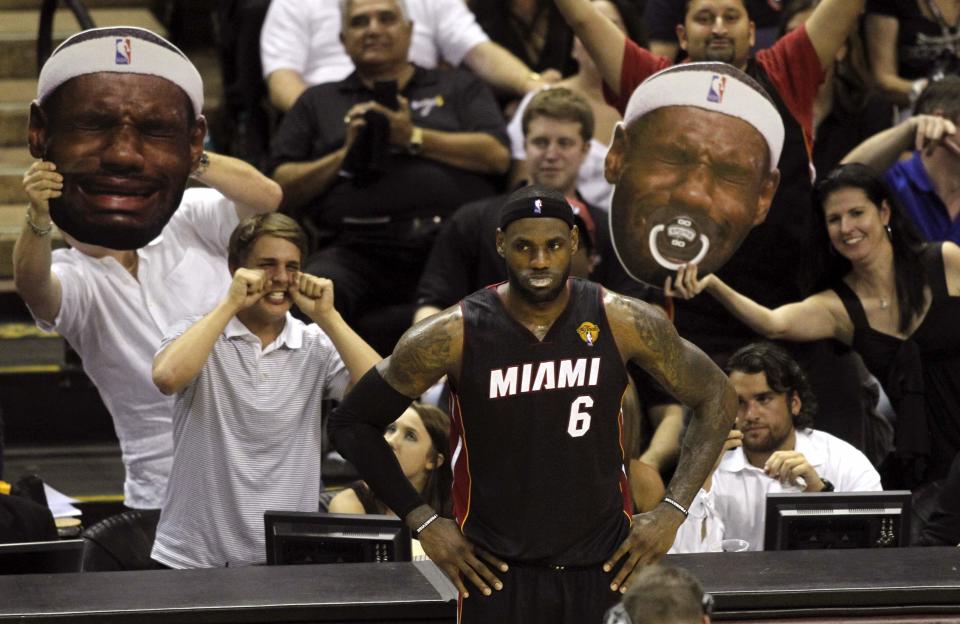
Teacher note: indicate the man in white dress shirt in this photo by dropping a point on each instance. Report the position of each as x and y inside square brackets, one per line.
[773, 449]
[117, 128]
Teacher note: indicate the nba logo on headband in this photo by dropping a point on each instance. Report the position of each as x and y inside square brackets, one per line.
[124, 51]
[718, 84]
[537, 206]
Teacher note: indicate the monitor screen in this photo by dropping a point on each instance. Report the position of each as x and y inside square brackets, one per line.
[295, 537]
[802, 521]
[41, 557]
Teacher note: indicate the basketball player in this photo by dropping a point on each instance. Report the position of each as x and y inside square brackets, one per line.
[536, 366]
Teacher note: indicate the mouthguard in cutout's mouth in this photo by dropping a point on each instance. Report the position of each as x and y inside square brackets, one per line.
[677, 243]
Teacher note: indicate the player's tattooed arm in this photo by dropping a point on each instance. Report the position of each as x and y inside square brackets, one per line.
[650, 340]
[425, 353]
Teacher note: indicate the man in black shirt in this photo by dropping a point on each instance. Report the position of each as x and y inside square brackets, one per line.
[373, 163]
[537, 370]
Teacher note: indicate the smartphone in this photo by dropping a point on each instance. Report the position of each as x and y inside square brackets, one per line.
[385, 93]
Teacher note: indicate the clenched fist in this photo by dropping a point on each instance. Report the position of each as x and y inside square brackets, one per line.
[248, 287]
[313, 295]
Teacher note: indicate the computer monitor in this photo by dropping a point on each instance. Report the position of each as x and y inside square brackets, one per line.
[804, 521]
[295, 537]
[41, 557]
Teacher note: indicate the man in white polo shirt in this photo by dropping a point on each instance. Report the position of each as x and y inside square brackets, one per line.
[775, 450]
[249, 379]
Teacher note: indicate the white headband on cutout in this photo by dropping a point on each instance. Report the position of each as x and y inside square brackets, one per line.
[120, 49]
[702, 86]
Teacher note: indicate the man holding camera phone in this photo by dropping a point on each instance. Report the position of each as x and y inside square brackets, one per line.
[374, 175]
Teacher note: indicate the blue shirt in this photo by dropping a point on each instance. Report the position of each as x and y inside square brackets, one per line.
[910, 182]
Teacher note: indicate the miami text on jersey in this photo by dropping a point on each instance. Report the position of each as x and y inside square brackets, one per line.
[544, 376]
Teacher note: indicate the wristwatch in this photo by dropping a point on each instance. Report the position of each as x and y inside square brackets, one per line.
[827, 486]
[415, 146]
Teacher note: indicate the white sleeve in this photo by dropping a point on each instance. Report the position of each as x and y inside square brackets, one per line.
[285, 37]
[454, 27]
[76, 299]
[210, 217]
[702, 530]
[336, 376]
[854, 472]
[175, 331]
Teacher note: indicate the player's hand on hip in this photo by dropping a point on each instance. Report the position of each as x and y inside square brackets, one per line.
[248, 287]
[313, 295]
[446, 546]
[651, 536]
[42, 183]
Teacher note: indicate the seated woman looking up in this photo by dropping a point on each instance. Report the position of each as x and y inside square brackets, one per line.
[891, 297]
[419, 438]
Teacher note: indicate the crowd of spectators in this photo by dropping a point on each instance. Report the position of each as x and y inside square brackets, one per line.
[402, 126]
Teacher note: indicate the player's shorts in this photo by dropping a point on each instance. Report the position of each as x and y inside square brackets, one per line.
[535, 594]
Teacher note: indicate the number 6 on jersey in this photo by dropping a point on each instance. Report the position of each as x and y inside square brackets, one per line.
[579, 421]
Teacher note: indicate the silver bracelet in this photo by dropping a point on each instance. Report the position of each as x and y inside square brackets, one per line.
[679, 507]
[36, 229]
[426, 523]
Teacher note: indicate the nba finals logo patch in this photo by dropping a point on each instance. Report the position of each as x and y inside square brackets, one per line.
[588, 332]
[718, 84]
[124, 51]
[537, 206]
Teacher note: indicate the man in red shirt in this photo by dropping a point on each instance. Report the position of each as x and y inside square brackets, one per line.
[778, 260]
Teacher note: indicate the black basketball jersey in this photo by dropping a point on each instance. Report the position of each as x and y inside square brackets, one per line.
[537, 448]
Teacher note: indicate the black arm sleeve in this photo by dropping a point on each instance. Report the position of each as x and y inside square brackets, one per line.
[356, 429]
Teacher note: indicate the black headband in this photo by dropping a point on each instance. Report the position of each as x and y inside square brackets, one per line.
[535, 202]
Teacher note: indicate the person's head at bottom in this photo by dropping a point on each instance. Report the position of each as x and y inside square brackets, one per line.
[662, 595]
[118, 111]
[694, 164]
[537, 239]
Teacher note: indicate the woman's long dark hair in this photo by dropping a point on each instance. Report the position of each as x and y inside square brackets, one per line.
[910, 276]
[437, 488]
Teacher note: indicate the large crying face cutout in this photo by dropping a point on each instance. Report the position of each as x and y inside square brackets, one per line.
[125, 147]
[689, 185]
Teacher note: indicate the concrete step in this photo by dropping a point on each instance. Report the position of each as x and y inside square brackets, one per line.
[14, 161]
[13, 126]
[34, 5]
[18, 34]
[15, 98]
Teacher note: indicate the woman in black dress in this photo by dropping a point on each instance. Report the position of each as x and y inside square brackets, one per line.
[893, 298]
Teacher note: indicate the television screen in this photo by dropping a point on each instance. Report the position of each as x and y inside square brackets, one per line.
[802, 521]
[295, 537]
[41, 557]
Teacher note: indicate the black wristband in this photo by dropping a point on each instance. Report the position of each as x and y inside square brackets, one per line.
[356, 429]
